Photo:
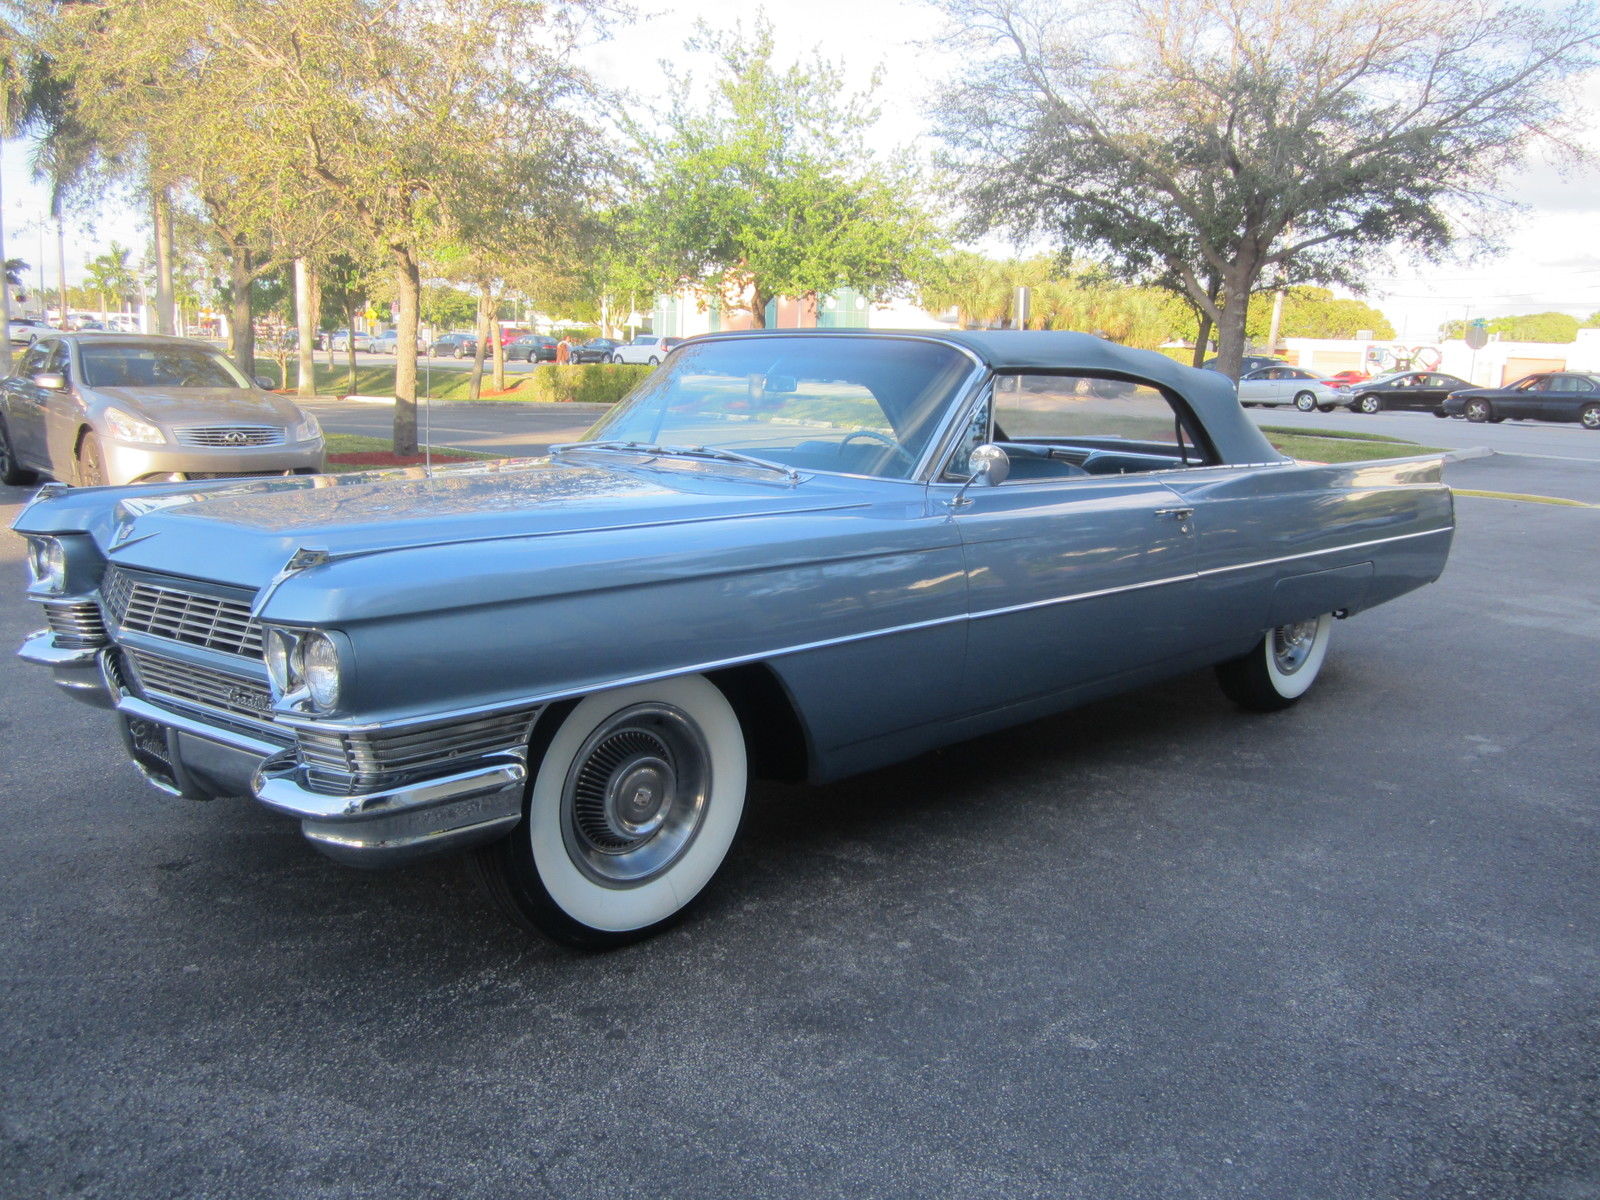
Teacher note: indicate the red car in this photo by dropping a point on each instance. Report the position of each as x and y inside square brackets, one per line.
[1346, 378]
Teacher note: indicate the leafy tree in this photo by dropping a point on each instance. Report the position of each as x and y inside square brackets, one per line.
[769, 190]
[1551, 327]
[110, 274]
[403, 118]
[1248, 144]
[1312, 312]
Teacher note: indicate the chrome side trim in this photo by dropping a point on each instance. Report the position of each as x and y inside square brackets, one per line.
[801, 648]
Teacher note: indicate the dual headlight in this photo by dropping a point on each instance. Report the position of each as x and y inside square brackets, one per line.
[47, 562]
[303, 666]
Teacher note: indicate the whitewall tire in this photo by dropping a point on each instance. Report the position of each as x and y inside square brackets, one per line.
[1280, 668]
[634, 804]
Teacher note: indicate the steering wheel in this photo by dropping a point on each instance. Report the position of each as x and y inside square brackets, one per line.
[883, 439]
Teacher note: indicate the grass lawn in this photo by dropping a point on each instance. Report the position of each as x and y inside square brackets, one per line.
[1334, 445]
[359, 453]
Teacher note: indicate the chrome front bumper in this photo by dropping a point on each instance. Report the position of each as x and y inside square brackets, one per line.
[184, 755]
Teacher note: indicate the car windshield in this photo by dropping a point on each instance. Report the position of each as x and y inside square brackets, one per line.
[812, 401]
[112, 365]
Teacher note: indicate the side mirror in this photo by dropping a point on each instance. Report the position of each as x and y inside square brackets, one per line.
[991, 466]
[265, 383]
[50, 381]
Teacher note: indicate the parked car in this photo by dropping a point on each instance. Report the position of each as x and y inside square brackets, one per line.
[595, 350]
[1414, 391]
[1348, 378]
[1250, 362]
[533, 348]
[646, 348]
[339, 339]
[26, 330]
[1290, 385]
[388, 342]
[785, 554]
[1547, 396]
[117, 408]
[454, 345]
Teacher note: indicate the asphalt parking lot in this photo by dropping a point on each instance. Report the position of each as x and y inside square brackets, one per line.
[1151, 948]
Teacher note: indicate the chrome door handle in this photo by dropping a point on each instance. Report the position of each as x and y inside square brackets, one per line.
[1177, 514]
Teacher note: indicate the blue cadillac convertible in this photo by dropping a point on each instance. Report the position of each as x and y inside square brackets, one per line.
[787, 554]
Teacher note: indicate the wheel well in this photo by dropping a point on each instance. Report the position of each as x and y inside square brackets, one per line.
[77, 443]
[775, 738]
[774, 735]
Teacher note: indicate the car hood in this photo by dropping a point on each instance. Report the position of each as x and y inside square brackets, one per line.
[244, 532]
[212, 406]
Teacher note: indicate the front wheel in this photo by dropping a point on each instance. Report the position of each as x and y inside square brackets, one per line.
[1369, 404]
[1305, 401]
[1280, 668]
[634, 806]
[1478, 411]
[1589, 416]
[91, 470]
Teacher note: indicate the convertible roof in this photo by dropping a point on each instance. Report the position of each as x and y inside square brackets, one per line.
[1212, 396]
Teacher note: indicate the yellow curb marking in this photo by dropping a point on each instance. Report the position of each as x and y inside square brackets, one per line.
[1521, 496]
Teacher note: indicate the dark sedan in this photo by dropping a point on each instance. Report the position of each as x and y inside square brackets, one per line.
[1414, 391]
[532, 347]
[595, 350]
[454, 345]
[1548, 396]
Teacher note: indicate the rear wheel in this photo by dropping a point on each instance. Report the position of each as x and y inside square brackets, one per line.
[635, 803]
[1369, 404]
[654, 361]
[1280, 668]
[91, 462]
[1439, 412]
[1305, 401]
[1589, 417]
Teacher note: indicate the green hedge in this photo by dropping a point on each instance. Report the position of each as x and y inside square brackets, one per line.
[586, 383]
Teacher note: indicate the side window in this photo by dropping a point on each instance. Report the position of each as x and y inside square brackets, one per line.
[1093, 425]
[1575, 383]
[33, 361]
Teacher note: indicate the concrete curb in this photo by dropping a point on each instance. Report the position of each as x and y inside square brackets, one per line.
[1470, 452]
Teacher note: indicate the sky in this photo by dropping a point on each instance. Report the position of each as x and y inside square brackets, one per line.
[1549, 257]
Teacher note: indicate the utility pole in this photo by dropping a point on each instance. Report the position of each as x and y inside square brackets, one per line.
[1277, 320]
[61, 263]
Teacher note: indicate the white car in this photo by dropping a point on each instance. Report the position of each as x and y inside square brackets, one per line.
[338, 339]
[26, 330]
[388, 342]
[646, 348]
[1291, 385]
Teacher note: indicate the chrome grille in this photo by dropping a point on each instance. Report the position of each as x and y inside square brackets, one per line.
[342, 764]
[229, 436]
[197, 618]
[223, 692]
[76, 624]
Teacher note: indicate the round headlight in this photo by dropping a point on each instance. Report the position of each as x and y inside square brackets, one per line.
[320, 660]
[48, 562]
[282, 653]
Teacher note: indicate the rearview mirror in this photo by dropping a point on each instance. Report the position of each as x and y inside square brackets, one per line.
[265, 383]
[780, 384]
[50, 381]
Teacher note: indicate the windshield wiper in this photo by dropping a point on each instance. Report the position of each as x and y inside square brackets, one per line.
[711, 452]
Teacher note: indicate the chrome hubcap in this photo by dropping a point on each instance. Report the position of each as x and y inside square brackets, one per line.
[1291, 645]
[1591, 418]
[636, 795]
